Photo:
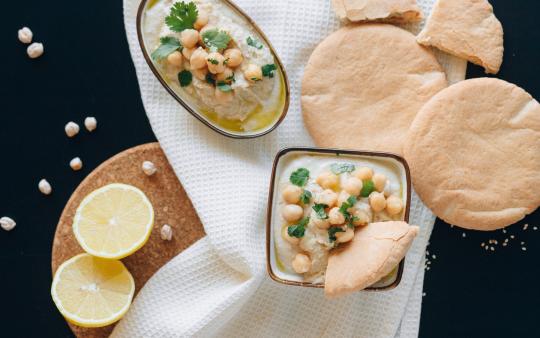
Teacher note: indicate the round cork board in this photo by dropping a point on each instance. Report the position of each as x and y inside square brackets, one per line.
[171, 206]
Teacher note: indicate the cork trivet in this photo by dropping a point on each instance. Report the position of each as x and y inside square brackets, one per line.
[171, 206]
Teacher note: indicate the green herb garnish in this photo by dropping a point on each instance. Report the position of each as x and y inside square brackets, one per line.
[182, 16]
[215, 39]
[300, 177]
[268, 70]
[224, 87]
[319, 210]
[254, 43]
[298, 230]
[344, 209]
[210, 79]
[213, 61]
[185, 78]
[306, 196]
[340, 168]
[367, 188]
[168, 44]
[332, 233]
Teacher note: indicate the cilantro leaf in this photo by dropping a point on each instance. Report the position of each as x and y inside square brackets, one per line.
[224, 87]
[332, 233]
[298, 230]
[185, 78]
[340, 168]
[213, 61]
[344, 209]
[319, 210]
[182, 16]
[300, 177]
[254, 43]
[367, 188]
[268, 70]
[168, 44]
[210, 79]
[306, 196]
[215, 39]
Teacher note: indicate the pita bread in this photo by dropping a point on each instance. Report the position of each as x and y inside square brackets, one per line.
[467, 29]
[374, 252]
[377, 10]
[474, 154]
[363, 86]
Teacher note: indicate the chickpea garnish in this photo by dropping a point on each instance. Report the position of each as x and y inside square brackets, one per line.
[226, 76]
[215, 62]
[189, 38]
[328, 197]
[379, 180]
[200, 73]
[335, 217]
[377, 201]
[175, 58]
[301, 263]
[234, 57]
[328, 180]
[394, 205]
[187, 52]
[253, 73]
[363, 173]
[202, 20]
[291, 194]
[344, 237]
[198, 58]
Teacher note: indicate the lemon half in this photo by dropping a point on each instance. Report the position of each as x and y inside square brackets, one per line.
[113, 221]
[91, 291]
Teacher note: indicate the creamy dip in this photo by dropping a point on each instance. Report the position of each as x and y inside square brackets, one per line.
[249, 103]
[318, 239]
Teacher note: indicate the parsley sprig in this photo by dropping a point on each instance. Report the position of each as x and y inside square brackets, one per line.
[340, 168]
[367, 188]
[168, 45]
[300, 177]
[332, 233]
[254, 43]
[185, 77]
[182, 16]
[298, 230]
[344, 209]
[215, 40]
[305, 197]
[268, 70]
[320, 210]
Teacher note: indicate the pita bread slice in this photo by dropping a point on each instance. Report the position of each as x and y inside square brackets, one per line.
[378, 10]
[467, 29]
[375, 250]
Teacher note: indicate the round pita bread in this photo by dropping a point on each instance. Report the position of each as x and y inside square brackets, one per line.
[363, 86]
[377, 10]
[474, 154]
[467, 29]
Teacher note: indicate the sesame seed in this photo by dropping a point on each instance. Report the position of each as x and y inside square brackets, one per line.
[423, 294]
[434, 257]
[492, 248]
[522, 243]
[504, 231]
[504, 244]
[525, 226]
[523, 248]
[463, 235]
[483, 244]
[535, 228]
[512, 236]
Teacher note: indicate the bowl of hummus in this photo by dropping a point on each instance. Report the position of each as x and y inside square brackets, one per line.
[321, 200]
[216, 62]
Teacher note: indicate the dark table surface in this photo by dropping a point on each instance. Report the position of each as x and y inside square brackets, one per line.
[87, 71]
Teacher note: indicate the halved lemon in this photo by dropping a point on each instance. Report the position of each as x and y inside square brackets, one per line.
[91, 291]
[113, 221]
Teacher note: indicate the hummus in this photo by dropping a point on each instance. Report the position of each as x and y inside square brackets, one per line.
[243, 95]
[321, 199]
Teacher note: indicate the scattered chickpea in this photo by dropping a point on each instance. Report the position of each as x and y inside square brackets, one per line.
[200, 73]
[379, 181]
[377, 201]
[226, 76]
[394, 205]
[166, 232]
[7, 223]
[175, 59]
[291, 194]
[328, 180]
[335, 217]
[353, 186]
[189, 38]
[223, 97]
[342, 197]
[25, 35]
[234, 57]
[90, 123]
[35, 50]
[292, 212]
[301, 263]
[71, 129]
[361, 217]
[202, 20]
[45, 187]
[149, 168]
[187, 52]
[215, 64]
[198, 58]
[344, 237]
[363, 173]
[319, 223]
[328, 197]
[253, 73]
[76, 164]
[290, 239]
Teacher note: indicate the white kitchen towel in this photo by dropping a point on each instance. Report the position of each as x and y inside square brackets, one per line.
[219, 286]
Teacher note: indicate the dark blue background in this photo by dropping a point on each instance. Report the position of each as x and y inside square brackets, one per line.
[87, 70]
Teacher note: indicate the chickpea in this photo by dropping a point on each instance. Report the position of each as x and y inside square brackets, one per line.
[253, 73]
[198, 58]
[223, 97]
[200, 73]
[391, 188]
[342, 198]
[328, 197]
[379, 181]
[362, 217]
[319, 223]
[363, 173]
[234, 57]
[215, 64]
[344, 237]
[301, 263]
[377, 201]
[292, 212]
[335, 217]
[187, 52]
[189, 38]
[286, 237]
[202, 20]
[175, 59]
[353, 186]
[328, 180]
[226, 76]
[291, 194]
[394, 205]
